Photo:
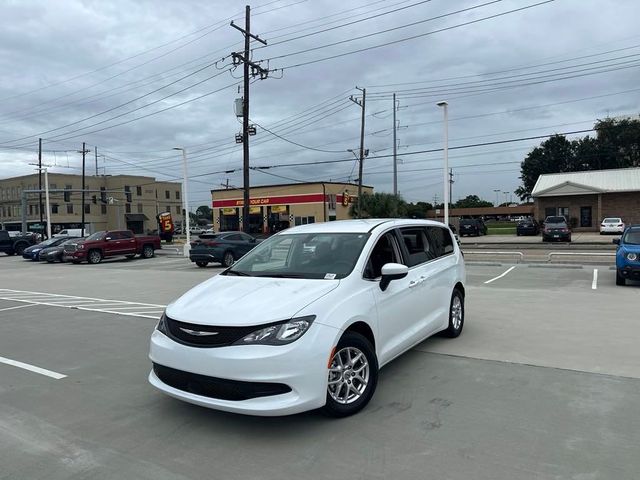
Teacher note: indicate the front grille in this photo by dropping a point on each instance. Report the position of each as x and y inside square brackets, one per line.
[220, 388]
[224, 336]
[70, 248]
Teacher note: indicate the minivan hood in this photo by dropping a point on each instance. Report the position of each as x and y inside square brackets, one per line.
[240, 301]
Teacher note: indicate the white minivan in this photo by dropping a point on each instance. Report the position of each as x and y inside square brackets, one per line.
[307, 318]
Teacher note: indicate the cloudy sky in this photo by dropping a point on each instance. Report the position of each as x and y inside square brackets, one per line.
[137, 78]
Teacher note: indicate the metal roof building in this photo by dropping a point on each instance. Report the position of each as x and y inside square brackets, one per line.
[586, 198]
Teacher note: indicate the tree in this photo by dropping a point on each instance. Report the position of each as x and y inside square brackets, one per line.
[379, 205]
[418, 209]
[471, 201]
[204, 211]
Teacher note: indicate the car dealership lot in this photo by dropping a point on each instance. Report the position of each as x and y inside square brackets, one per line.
[543, 383]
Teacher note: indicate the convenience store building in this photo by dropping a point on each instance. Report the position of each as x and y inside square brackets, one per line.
[276, 207]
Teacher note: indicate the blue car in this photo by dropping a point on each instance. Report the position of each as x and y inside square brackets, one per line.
[628, 255]
[33, 252]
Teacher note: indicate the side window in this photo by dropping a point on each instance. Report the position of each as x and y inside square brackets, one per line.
[246, 238]
[385, 251]
[233, 238]
[126, 235]
[440, 241]
[417, 245]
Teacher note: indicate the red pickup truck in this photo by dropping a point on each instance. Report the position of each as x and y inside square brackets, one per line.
[111, 244]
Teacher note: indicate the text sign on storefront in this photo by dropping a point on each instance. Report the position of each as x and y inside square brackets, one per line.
[275, 200]
[279, 209]
[254, 210]
[228, 211]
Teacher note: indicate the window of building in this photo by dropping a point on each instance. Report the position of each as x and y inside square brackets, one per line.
[67, 195]
[585, 216]
[177, 194]
[87, 208]
[167, 194]
[127, 193]
[53, 186]
[139, 208]
[304, 220]
[103, 195]
[331, 201]
[178, 209]
[332, 218]
[69, 207]
[103, 209]
[139, 191]
[54, 208]
[30, 209]
[167, 208]
[127, 208]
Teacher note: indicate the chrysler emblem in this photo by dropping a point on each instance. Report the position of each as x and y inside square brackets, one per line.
[198, 333]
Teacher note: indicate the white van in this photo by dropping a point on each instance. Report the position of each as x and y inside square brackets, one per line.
[71, 232]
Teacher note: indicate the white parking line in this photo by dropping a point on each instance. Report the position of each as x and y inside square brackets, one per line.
[594, 284]
[500, 276]
[18, 306]
[32, 368]
[83, 303]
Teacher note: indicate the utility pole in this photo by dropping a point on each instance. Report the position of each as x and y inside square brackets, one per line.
[40, 178]
[95, 150]
[84, 156]
[255, 70]
[362, 104]
[395, 150]
[451, 182]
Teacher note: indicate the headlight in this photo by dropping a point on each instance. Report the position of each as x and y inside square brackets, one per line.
[279, 333]
[632, 256]
[80, 247]
[162, 324]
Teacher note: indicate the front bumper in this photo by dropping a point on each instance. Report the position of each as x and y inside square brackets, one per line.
[558, 237]
[78, 255]
[630, 271]
[301, 366]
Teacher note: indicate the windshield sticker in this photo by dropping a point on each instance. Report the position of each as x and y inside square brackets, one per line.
[330, 276]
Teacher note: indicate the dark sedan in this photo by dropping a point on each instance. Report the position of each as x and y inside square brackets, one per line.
[33, 252]
[528, 227]
[55, 253]
[223, 247]
[556, 229]
[472, 226]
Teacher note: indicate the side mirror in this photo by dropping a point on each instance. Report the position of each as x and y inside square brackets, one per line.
[616, 241]
[392, 271]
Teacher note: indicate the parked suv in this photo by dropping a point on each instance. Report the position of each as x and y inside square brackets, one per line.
[15, 244]
[527, 226]
[628, 255]
[472, 226]
[224, 248]
[306, 319]
[556, 229]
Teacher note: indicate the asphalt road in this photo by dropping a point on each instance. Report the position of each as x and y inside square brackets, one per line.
[542, 384]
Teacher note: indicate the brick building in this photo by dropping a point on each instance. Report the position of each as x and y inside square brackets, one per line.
[586, 198]
[275, 207]
[111, 202]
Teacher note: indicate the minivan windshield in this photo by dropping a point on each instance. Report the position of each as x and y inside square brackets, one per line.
[323, 255]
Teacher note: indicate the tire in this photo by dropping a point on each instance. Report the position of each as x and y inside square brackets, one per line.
[620, 280]
[94, 256]
[228, 259]
[517, 234]
[133, 255]
[11, 253]
[19, 248]
[202, 264]
[354, 344]
[147, 251]
[456, 315]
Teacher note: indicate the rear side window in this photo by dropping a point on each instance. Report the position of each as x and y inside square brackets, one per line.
[416, 245]
[440, 241]
[235, 237]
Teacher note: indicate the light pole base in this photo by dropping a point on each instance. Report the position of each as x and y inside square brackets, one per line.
[186, 250]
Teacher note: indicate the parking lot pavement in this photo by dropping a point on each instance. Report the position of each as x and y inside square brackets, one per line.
[542, 384]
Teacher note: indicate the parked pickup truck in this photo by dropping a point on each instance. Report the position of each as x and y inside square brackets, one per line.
[112, 243]
[15, 244]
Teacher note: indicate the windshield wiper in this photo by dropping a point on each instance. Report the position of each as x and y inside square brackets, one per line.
[237, 272]
[281, 275]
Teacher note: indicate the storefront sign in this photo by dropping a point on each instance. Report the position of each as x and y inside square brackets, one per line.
[345, 199]
[276, 200]
[279, 209]
[228, 211]
[255, 210]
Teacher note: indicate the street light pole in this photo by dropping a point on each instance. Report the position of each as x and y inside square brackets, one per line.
[185, 200]
[46, 199]
[445, 106]
[497, 192]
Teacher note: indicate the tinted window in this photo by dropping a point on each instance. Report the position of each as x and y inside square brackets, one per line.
[246, 238]
[126, 235]
[416, 245]
[383, 253]
[234, 237]
[440, 241]
[555, 220]
[96, 236]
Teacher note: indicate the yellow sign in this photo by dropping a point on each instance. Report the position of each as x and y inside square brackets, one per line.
[254, 210]
[228, 211]
[279, 209]
[345, 199]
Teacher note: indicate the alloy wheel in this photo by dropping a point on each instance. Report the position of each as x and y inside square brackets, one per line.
[348, 375]
[456, 312]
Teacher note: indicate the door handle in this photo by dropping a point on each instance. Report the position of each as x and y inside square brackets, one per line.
[413, 284]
